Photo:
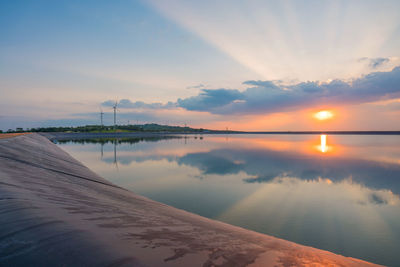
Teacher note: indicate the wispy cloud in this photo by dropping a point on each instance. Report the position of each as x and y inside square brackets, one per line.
[304, 40]
[375, 62]
[198, 86]
[126, 103]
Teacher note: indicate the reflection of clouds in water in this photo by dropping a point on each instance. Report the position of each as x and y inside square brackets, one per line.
[264, 165]
[127, 159]
[358, 193]
[319, 212]
[290, 199]
[212, 164]
[261, 166]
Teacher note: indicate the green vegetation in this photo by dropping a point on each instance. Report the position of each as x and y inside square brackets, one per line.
[110, 129]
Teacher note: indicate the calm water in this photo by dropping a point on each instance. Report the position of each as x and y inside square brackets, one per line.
[339, 193]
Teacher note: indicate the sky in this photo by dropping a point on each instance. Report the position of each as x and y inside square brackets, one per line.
[242, 65]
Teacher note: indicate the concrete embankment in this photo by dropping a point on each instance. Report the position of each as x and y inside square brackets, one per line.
[56, 212]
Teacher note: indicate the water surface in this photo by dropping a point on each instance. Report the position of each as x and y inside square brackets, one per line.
[338, 193]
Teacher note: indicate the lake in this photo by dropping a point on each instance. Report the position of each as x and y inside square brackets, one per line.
[338, 192]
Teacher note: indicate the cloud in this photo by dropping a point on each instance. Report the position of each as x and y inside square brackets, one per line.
[263, 97]
[127, 104]
[208, 99]
[377, 199]
[199, 86]
[266, 84]
[375, 62]
[266, 96]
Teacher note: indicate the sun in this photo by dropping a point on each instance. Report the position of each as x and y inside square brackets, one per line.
[323, 115]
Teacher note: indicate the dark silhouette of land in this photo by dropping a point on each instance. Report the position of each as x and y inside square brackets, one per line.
[126, 130]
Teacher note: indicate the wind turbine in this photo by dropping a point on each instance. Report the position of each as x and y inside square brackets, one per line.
[101, 117]
[115, 115]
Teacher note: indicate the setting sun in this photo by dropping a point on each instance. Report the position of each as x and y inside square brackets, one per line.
[323, 115]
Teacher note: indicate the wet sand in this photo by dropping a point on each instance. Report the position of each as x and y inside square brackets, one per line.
[56, 211]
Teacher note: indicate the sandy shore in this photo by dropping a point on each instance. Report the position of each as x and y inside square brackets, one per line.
[57, 212]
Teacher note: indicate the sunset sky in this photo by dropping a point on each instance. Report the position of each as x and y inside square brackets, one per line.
[245, 65]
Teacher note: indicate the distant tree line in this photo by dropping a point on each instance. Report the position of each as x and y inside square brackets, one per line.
[118, 140]
[119, 128]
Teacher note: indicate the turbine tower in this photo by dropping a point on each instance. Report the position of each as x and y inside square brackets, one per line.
[101, 117]
[115, 115]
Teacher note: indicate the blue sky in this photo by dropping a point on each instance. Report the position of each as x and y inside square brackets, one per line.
[59, 60]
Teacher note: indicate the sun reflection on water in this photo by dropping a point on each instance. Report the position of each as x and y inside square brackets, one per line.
[323, 143]
[323, 147]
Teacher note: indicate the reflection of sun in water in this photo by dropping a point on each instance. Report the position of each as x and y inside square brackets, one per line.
[323, 147]
[323, 115]
[323, 143]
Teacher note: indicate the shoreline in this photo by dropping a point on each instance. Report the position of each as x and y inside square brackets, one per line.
[63, 136]
[57, 211]
[73, 136]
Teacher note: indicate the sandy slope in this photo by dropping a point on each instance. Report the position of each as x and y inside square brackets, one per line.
[56, 212]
